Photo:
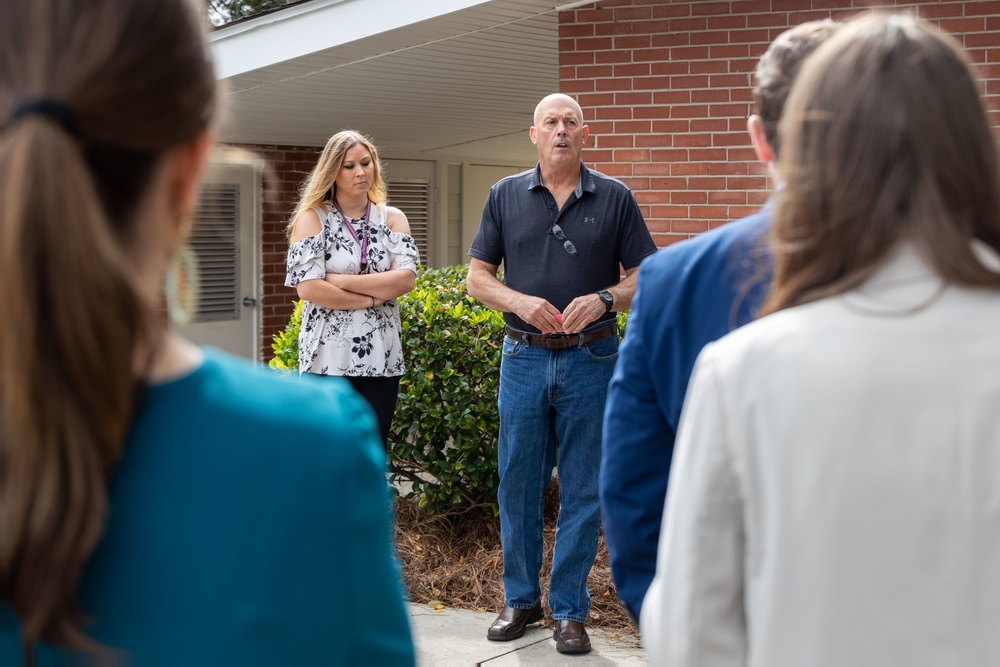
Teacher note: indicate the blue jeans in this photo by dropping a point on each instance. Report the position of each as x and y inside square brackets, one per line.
[551, 413]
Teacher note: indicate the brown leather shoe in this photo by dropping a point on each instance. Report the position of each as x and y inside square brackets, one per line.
[511, 622]
[571, 637]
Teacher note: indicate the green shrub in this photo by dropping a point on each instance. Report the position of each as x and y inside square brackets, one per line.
[286, 344]
[444, 439]
[444, 436]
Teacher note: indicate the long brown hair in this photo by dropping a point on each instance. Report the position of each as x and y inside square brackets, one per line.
[322, 182]
[131, 79]
[885, 137]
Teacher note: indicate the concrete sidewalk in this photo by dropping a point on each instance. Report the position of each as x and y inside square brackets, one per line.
[458, 637]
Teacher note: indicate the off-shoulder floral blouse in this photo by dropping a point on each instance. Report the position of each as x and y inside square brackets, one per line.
[350, 342]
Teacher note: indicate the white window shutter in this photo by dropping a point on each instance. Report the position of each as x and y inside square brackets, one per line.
[215, 241]
[412, 197]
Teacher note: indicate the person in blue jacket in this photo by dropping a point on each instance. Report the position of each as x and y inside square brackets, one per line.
[161, 504]
[688, 295]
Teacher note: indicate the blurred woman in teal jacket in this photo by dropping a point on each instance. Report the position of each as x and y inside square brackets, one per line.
[160, 503]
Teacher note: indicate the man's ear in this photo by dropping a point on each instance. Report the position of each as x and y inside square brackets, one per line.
[188, 162]
[586, 133]
[533, 135]
[761, 146]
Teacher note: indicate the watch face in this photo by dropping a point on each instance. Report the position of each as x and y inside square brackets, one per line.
[607, 298]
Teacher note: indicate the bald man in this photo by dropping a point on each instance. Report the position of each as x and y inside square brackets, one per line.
[564, 234]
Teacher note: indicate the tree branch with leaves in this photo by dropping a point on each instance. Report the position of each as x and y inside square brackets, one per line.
[221, 12]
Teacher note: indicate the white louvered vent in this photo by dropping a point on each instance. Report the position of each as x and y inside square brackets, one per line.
[412, 197]
[215, 241]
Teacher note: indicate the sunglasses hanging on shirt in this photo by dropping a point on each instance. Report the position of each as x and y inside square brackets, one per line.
[567, 244]
[365, 233]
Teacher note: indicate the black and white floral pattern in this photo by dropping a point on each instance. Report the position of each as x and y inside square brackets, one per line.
[350, 342]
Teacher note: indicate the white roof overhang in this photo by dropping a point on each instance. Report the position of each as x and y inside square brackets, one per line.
[431, 79]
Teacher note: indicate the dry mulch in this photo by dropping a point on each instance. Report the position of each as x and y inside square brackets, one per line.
[457, 561]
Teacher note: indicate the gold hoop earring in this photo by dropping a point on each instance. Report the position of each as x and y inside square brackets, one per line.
[182, 285]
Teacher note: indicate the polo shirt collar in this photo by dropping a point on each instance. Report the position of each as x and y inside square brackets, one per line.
[585, 184]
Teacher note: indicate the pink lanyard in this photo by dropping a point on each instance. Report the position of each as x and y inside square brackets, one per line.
[354, 235]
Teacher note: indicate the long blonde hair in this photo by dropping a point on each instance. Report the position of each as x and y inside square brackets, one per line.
[322, 182]
[885, 137]
[130, 79]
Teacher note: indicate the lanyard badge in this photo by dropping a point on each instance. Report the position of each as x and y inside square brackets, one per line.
[365, 233]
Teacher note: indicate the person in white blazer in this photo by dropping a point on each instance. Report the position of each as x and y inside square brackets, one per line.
[835, 496]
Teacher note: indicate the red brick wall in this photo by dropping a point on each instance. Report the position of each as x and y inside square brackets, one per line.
[287, 167]
[666, 87]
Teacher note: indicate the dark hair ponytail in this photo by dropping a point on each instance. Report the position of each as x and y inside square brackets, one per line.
[72, 320]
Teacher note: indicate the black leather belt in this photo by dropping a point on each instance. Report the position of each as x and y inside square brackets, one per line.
[565, 341]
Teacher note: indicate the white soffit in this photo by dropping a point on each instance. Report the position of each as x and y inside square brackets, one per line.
[434, 79]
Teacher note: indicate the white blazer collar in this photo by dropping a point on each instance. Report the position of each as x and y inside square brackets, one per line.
[902, 284]
[906, 283]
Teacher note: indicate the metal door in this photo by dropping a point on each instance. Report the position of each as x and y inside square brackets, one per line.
[226, 241]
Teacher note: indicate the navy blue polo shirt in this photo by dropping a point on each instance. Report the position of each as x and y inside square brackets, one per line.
[600, 217]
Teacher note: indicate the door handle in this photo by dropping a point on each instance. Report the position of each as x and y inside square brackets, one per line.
[249, 301]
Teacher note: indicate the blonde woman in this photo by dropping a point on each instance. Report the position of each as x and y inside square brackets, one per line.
[350, 257]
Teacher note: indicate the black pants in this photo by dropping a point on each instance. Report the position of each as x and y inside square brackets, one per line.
[381, 393]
